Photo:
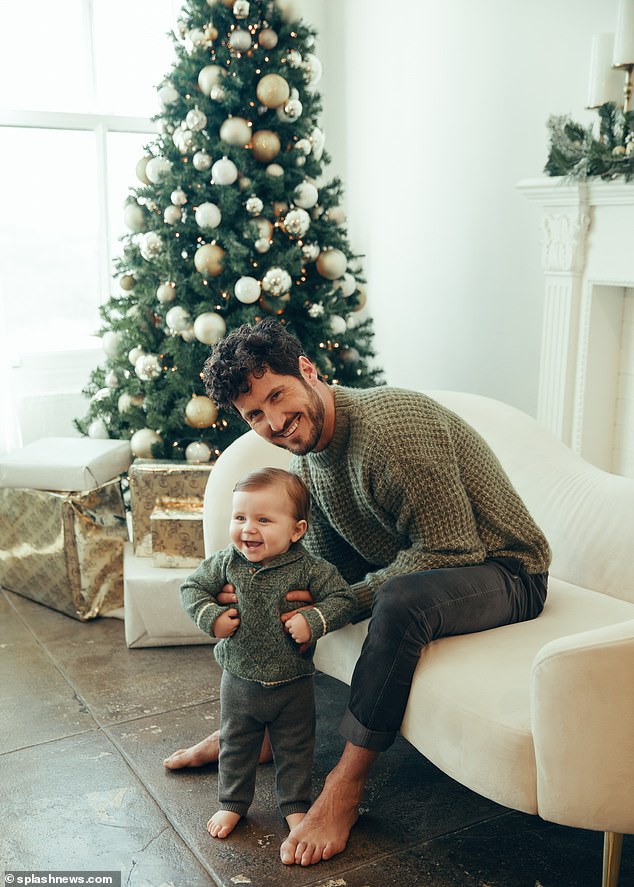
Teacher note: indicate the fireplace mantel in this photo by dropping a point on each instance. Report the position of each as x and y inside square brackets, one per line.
[586, 384]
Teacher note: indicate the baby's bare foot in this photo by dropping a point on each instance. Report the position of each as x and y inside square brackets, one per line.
[222, 823]
[294, 819]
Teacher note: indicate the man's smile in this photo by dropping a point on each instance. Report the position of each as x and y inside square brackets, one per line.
[292, 428]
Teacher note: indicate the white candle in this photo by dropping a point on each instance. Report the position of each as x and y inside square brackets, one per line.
[606, 83]
[624, 40]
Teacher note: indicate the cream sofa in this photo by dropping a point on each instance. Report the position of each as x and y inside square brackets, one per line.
[538, 717]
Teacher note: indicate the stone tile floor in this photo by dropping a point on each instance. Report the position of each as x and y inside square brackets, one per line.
[85, 724]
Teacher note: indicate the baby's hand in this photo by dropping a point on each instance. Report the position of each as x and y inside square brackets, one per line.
[298, 628]
[226, 624]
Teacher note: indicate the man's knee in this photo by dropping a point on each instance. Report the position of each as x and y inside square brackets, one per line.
[393, 604]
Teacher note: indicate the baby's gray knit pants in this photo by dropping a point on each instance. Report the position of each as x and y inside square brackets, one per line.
[247, 708]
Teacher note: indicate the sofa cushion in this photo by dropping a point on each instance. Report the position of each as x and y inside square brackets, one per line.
[469, 708]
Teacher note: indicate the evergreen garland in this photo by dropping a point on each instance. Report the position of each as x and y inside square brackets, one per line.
[576, 153]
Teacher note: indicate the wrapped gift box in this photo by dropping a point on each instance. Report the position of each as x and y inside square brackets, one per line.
[65, 464]
[153, 613]
[64, 550]
[177, 532]
[152, 479]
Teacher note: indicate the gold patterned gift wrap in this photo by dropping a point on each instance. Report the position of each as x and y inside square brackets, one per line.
[177, 532]
[64, 550]
[152, 479]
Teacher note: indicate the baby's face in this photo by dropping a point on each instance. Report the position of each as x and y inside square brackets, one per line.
[263, 523]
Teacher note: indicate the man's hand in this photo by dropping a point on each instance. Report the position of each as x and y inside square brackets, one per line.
[227, 595]
[226, 624]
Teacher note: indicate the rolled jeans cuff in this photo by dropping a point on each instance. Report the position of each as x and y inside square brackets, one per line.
[357, 734]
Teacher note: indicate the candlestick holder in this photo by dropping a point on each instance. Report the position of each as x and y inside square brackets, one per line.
[627, 89]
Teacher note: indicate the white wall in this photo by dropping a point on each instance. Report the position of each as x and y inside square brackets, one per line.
[433, 113]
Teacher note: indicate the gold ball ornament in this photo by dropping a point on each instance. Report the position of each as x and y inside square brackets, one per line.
[127, 282]
[268, 38]
[265, 145]
[208, 260]
[140, 170]
[201, 412]
[332, 263]
[273, 90]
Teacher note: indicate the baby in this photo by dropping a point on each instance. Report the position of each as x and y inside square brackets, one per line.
[267, 679]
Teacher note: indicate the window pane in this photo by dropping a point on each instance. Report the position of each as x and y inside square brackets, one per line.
[48, 241]
[124, 151]
[43, 56]
[133, 53]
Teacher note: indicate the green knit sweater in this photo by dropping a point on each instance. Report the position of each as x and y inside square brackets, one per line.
[260, 650]
[406, 485]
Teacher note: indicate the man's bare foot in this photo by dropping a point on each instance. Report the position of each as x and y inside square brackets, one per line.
[206, 752]
[222, 823]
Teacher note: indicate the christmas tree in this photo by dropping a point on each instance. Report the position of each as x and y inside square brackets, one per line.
[230, 224]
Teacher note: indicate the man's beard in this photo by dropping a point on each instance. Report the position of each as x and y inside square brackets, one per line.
[313, 415]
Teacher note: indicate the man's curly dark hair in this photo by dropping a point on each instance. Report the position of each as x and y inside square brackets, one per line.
[249, 351]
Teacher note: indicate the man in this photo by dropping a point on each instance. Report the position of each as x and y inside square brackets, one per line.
[417, 514]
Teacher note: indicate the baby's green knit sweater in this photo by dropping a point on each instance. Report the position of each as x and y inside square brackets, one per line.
[406, 485]
[260, 650]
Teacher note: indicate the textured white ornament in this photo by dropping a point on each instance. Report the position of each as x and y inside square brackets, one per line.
[209, 328]
[156, 168]
[111, 343]
[172, 215]
[184, 140]
[167, 95]
[235, 131]
[247, 290]
[310, 252]
[293, 109]
[111, 379]
[202, 161]
[150, 245]
[134, 217]
[142, 442]
[197, 451]
[216, 93]
[294, 59]
[177, 319]
[337, 325]
[208, 77]
[297, 222]
[196, 119]
[241, 9]
[317, 141]
[148, 367]
[254, 206]
[305, 195]
[178, 197]
[240, 40]
[102, 394]
[166, 292]
[304, 146]
[193, 39]
[276, 281]
[224, 172]
[127, 401]
[208, 215]
[316, 310]
[98, 430]
[313, 70]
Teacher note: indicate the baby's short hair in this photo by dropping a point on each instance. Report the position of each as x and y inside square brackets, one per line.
[295, 487]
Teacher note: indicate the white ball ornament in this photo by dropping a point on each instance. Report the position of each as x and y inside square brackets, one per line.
[274, 170]
[240, 40]
[305, 195]
[224, 172]
[167, 95]
[216, 93]
[100, 395]
[268, 38]
[197, 451]
[150, 245]
[177, 319]
[111, 343]
[235, 131]
[172, 215]
[294, 58]
[241, 9]
[210, 76]
[336, 214]
[317, 141]
[148, 367]
[262, 245]
[193, 39]
[293, 109]
[134, 354]
[127, 401]
[143, 441]
[247, 290]
[332, 263]
[201, 412]
[157, 168]
[304, 146]
[347, 285]
[310, 252]
[98, 430]
[196, 119]
[178, 197]
[202, 161]
[140, 170]
[111, 379]
[254, 206]
[337, 325]
[166, 292]
[313, 70]
[297, 222]
[134, 217]
[208, 215]
[209, 328]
